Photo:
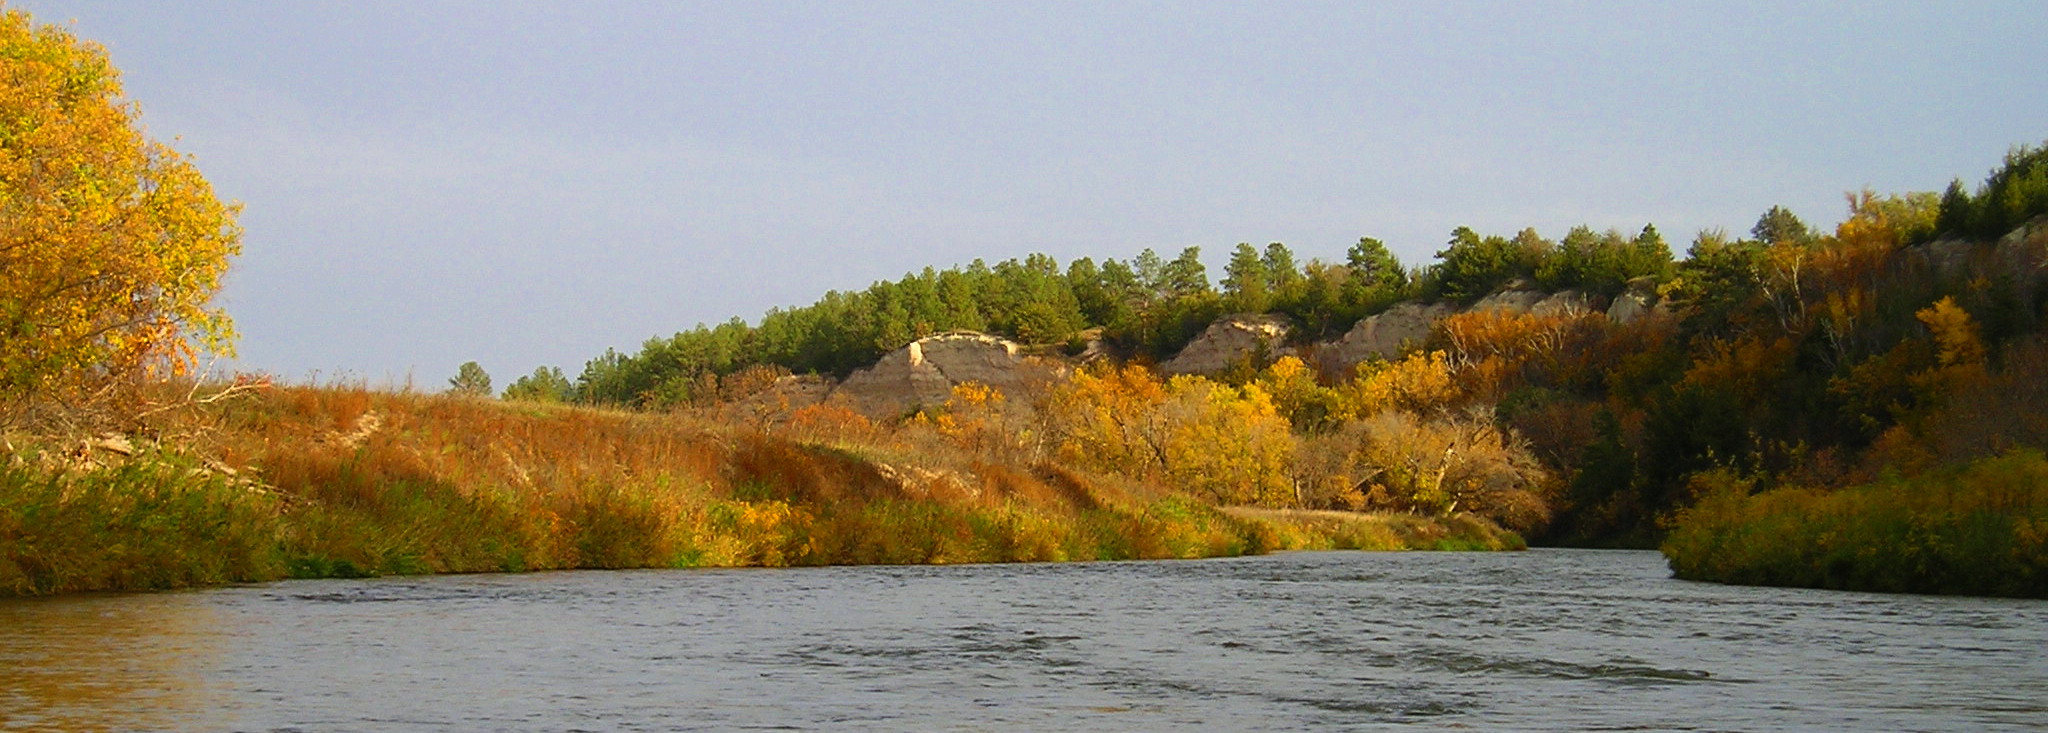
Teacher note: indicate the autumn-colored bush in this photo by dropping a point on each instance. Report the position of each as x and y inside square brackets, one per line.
[826, 422]
[1497, 350]
[1980, 529]
[1944, 400]
[1421, 381]
[1226, 444]
[1106, 419]
[1457, 462]
[1303, 529]
[1293, 388]
[1998, 412]
[982, 420]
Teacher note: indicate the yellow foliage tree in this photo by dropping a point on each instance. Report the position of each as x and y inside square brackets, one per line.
[1228, 444]
[1106, 418]
[1746, 370]
[1883, 222]
[1955, 332]
[1497, 350]
[980, 418]
[1959, 349]
[1294, 390]
[1420, 381]
[111, 245]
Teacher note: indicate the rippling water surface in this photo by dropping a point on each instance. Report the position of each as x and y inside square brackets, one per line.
[1542, 640]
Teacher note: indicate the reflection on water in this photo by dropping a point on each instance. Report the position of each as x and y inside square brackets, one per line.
[1544, 640]
[109, 662]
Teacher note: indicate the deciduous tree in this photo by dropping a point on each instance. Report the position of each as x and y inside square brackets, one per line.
[111, 244]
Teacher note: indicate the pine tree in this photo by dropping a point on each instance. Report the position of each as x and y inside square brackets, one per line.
[470, 379]
[1246, 280]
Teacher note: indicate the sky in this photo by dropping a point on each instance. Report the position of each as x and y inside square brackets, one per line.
[530, 183]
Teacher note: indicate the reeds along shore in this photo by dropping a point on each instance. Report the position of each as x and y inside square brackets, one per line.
[340, 482]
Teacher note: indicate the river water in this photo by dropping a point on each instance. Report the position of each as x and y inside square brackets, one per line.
[1541, 640]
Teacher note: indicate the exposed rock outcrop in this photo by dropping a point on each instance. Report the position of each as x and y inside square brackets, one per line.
[925, 372]
[1408, 324]
[1522, 296]
[1518, 296]
[1636, 301]
[1946, 257]
[2022, 253]
[1567, 303]
[1383, 336]
[1227, 341]
[2025, 249]
[1095, 347]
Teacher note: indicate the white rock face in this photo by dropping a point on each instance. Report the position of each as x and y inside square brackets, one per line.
[2025, 248]
[1384, 336]
[1227, 341]
[1638, 300]
[1566, 303]
[925, 372]
[1511, 300]
[1628, 307]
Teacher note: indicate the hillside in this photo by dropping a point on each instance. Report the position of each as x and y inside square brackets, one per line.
[1583, 390]
[278, 481]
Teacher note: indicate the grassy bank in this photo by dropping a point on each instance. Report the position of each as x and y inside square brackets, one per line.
[1296, 529]
[337, 482]
[1979, 529]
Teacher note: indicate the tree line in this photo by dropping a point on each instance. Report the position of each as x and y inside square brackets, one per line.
[1145, 308]
[1787, 354]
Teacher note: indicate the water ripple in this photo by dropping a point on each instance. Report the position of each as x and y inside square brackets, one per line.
[1544, 640]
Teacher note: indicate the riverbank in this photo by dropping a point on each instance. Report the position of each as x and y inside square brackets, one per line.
[1977, 529]
[1303, 529]
[304, 482]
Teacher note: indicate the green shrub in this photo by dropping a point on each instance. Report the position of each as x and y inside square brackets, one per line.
[1979, 529]
[154, 522]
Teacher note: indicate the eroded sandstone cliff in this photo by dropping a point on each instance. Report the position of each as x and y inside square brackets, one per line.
[924, 372]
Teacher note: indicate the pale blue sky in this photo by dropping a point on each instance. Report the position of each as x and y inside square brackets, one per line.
[527, 183]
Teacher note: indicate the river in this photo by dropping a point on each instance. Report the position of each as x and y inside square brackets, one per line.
[1542, 640]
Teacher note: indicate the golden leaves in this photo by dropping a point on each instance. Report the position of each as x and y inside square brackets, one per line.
[1420, 381]
[111, 245]
[1226, 443]
[1954, 331]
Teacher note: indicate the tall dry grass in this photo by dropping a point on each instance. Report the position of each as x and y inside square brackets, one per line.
[340, 480]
